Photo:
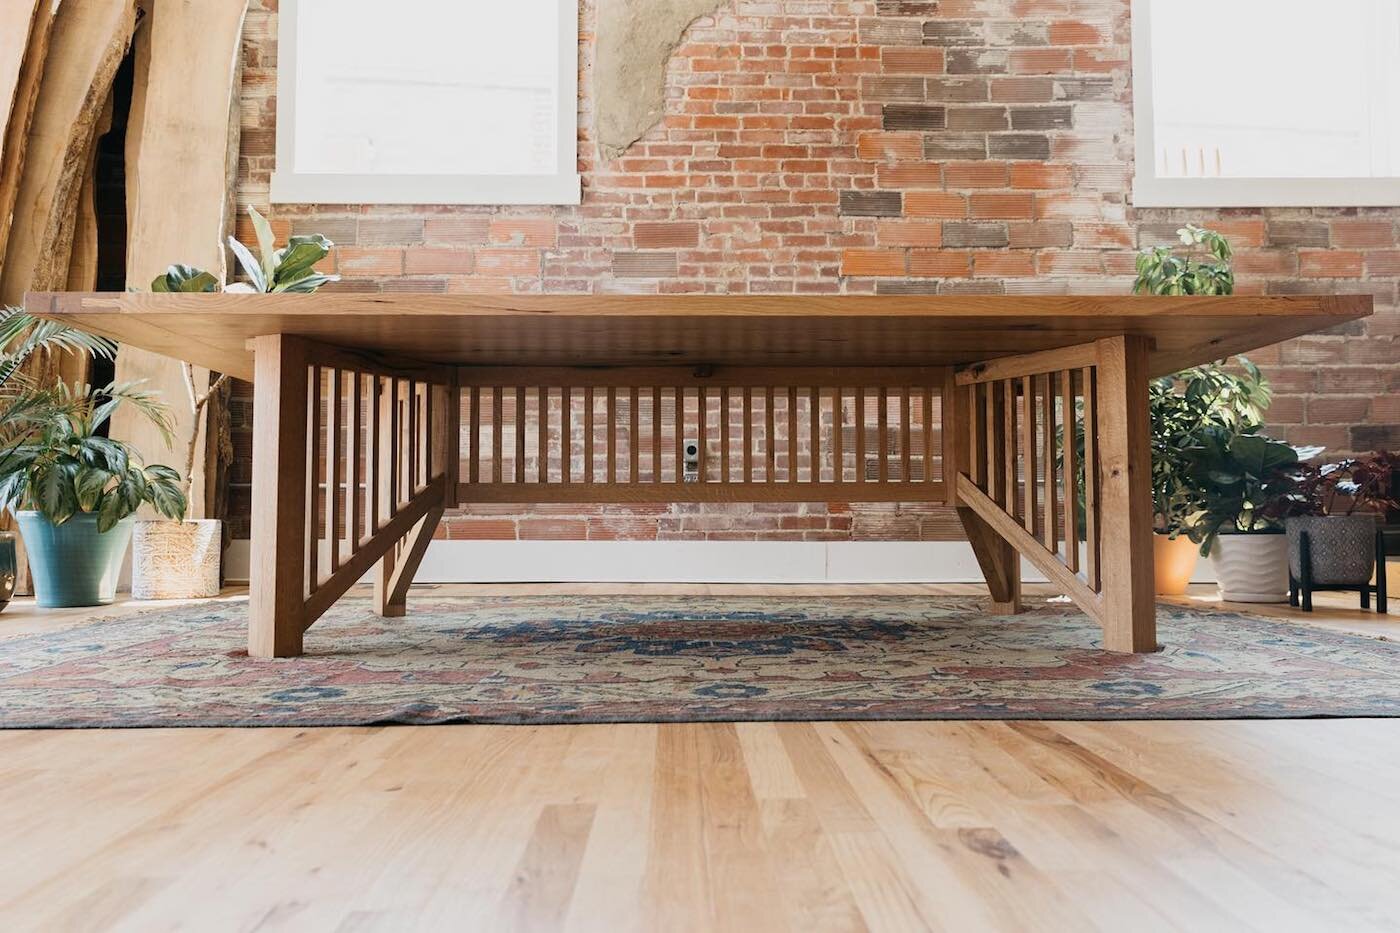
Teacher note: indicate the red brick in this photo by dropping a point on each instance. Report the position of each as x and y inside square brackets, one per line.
[437, 261]
[891, 147]
[998, 263]
[939, 263]
[897, 59]
[909, 233]
[508, 261]
[909, 175]
[352, 261]
[1331, 263]
[1002, 206]
[872, 262]
[935, 204]
[524, 231]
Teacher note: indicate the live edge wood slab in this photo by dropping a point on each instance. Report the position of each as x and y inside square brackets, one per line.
[375, 413]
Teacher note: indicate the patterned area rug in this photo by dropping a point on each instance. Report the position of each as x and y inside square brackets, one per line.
[572, 659]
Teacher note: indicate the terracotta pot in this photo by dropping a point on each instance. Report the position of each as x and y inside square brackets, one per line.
[1173, 562]
[1251, 568]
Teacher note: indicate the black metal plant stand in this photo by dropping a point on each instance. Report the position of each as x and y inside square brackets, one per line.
[1302, 588]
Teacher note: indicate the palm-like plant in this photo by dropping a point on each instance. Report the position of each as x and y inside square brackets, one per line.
[52, 456]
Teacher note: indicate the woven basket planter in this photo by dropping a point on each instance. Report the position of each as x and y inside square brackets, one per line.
[176, 560]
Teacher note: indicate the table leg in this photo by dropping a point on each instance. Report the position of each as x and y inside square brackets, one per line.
[1125, 495]
[277, 576]
[1095, 392]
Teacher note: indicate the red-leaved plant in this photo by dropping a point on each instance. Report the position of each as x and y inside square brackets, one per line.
[1346, 487]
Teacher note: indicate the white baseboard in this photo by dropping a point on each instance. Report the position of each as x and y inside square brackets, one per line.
[692, 562]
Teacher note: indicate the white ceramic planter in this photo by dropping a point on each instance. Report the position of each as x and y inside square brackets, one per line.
[176, 560]
[1251, 568]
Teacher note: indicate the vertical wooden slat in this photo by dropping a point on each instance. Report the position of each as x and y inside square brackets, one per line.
[977, 435]
[497, 439]
[612, 434]
[633, 428]
[952, 433]
[352, 465]
[928, 433]
[566, 435]
[996, 444]
[792, 434]
[814, 429]
[1050, 533]
[770, 429]
[333, 467]
[882, 443]
[748, 435]
[680, 434]
[838, 428]
[860, 434]
[656, 434]
[542, 435]
[415, 431]
[724, 434]
[520, 434]
[1008, 398]
[1028, 496]
[1091, 482]
[1071, 472]
[313, 492]
[588, 434]
[474, 440]
[390, 471]
[702, 413]
[372, 466]
[905, 431]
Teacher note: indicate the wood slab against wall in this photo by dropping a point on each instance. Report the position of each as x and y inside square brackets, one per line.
[88, 43]
[181, 163]
[25, 27]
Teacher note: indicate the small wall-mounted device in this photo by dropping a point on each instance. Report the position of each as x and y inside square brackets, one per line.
[691, 465]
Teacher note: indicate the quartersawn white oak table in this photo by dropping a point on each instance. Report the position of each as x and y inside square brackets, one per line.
[359, 402]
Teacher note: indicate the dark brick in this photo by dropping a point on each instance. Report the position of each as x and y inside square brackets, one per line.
[1084, 89]
[957, 90]
[953, 33]
[985, 119]
[390, 231]
[892, 87]
[643, 265]
[901, 287]
[1042, 118]
[1161, 234]
[890, 32]
[977, 61]
[906, 7]
[1042, 234]
[974, 287]
[871, 203]
[1297, 233]
[915, 117]
[972, 234]
[1375, 437]
[1019, 146]
[944, 146]
[339, 230]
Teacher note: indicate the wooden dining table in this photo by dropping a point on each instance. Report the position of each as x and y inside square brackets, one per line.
[376, 413]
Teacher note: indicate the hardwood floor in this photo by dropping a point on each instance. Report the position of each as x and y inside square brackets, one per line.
[751, 826]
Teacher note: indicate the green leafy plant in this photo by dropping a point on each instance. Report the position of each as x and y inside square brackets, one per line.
[290, 269]
[1205, 268]
[1243, 480]
[65, 466]
[1183, 407]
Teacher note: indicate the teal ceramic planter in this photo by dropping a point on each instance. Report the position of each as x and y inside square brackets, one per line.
[72, 564]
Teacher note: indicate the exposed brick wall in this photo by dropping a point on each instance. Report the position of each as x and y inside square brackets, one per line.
[897, 146]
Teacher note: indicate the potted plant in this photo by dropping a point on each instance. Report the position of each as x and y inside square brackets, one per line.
[1336, 508]
[1246, 484]
[1184, 404]
[74, 492]
[25, 405]
[181, 559]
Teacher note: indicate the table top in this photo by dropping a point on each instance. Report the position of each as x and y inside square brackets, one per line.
[790, 330]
